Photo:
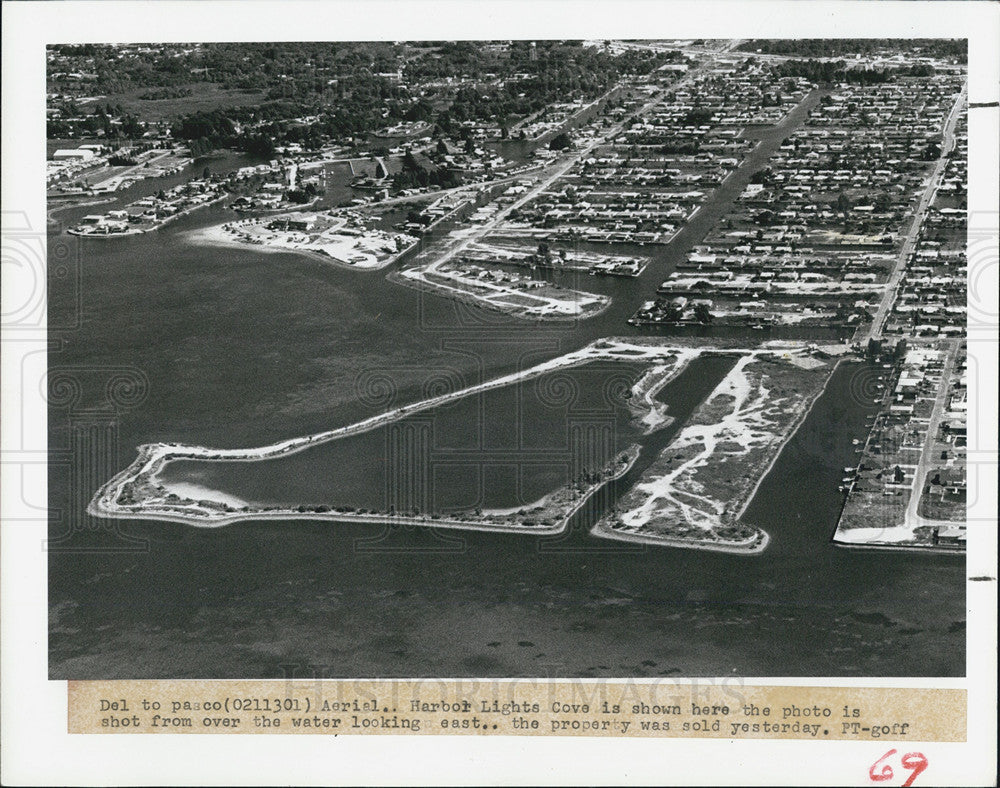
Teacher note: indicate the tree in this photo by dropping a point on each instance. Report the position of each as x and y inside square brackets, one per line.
[260, 145]
[899, 352]
[205, 173]
[672, 312]
[698, 116]
[702, 313]
[131, 127]
[764, 217]
[561, 141]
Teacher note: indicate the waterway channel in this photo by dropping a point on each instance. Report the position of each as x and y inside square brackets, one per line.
[231, 347]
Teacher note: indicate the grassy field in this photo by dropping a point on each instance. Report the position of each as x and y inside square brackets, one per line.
[204, 96]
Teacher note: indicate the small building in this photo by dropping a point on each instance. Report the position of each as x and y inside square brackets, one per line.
[73, 154]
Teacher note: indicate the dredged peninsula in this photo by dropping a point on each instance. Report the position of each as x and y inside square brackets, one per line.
[139, 493]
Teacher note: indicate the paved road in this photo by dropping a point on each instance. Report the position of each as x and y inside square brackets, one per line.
[531, 118]
[118, 177]
[563, 167]
[927, 460]
[874, 329]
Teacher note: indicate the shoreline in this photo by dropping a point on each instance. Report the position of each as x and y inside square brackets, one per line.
[757, 546]
[422, 285]
[220, 518]
[144, 230]
[215, 235]
[900, 548]
[152, 457]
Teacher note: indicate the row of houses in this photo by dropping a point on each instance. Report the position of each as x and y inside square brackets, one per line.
[651, 179]
[932, 296]
[914, 104]
[851, 184]
[149, 212]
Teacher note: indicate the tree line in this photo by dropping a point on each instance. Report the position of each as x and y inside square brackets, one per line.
[841, 47]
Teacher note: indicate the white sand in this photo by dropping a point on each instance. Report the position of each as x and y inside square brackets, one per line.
[152, 457]
[369, 251]
[198, 493]
[899, 534]
[677, 495]
[651, 383]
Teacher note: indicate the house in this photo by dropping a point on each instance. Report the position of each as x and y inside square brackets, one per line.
[300, 222]
[74, 154]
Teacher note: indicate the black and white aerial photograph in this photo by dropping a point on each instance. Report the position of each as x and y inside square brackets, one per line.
[533, 358]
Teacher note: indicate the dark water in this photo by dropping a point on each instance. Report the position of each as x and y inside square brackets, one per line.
[500, 448]
[154, 339]
[62, 210]
[518, 150]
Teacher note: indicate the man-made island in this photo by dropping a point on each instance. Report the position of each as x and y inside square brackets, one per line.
[511, 293]
[695, 492]
[692, 494]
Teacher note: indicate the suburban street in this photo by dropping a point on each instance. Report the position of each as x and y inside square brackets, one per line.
[926, 462]
[874, 329]
[564, 167]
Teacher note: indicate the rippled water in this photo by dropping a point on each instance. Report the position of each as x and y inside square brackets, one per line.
[231, 347]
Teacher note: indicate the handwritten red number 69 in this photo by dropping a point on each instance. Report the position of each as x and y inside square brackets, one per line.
[913, 761]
